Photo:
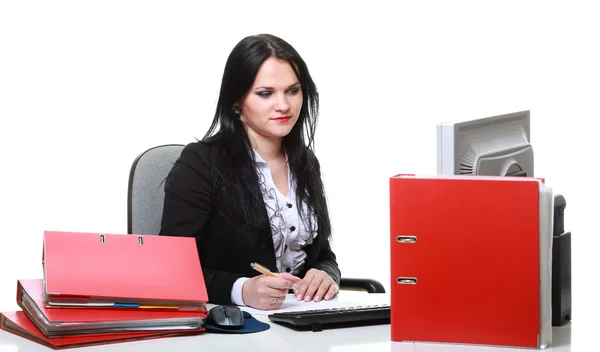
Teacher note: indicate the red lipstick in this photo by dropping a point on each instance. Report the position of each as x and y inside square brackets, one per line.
[282, 118]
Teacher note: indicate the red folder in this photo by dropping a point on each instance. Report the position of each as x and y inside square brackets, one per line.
[54, 322]
[113, 270]
[470, 260]
[17, 323]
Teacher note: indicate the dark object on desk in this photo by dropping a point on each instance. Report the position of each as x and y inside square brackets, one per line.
[145, 197]
[250, 325]
[561, 265]
[369, 285]
[319, 319]
[226, 317]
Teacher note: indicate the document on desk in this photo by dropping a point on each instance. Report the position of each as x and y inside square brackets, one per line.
[546, 223]
[291, 304]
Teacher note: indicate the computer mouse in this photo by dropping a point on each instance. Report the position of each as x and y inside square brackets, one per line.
[226, 317]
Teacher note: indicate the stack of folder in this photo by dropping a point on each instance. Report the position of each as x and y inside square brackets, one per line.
[107, 288]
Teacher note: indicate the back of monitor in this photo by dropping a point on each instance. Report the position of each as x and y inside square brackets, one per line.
[498, 145]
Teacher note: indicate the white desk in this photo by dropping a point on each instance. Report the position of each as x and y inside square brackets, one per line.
[279, 338]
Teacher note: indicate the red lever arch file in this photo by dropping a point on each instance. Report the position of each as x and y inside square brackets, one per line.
[113, 270]
[470, 260]
[54, 322]
[17, 323]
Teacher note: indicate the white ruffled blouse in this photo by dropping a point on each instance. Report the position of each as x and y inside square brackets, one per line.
[290, 232]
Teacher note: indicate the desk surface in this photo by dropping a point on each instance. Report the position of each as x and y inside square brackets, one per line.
[368, 338]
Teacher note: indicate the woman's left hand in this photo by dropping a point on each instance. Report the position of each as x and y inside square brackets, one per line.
[316, 285]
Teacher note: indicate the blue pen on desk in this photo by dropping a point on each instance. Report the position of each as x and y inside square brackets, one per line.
[137, 305]
[133, 305]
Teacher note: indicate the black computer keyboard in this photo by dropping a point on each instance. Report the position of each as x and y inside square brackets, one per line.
[318, 319]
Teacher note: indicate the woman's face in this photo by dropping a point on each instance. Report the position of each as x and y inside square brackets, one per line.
[272, 105]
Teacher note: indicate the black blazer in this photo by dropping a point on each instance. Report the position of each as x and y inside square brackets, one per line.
[194, 205]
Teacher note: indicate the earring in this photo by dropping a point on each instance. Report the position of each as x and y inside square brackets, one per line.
[236, 111]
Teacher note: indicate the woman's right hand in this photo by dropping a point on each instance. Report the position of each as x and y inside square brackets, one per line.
[266, 292]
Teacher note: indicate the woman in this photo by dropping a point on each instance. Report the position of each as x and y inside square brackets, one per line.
[251, 190]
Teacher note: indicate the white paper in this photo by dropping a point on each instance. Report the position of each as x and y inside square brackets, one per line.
[546, 223]
[342, 300]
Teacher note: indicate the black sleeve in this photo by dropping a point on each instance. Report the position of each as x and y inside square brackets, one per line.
[187, 208]
[188, 194]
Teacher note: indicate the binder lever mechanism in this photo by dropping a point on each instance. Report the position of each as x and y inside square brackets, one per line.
[140, 239]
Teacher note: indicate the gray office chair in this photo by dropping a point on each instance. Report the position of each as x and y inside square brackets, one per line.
[146, 193]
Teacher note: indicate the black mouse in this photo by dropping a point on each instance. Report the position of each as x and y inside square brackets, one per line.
[226, 317]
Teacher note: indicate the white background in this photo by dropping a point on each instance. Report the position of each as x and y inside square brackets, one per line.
[85, 86]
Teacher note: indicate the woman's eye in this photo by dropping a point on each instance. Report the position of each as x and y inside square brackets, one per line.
[264, 94]
[294, 91]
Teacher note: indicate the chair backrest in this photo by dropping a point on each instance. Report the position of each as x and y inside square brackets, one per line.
[146, 190]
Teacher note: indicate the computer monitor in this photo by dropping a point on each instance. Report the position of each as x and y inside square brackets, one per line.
[497, 146]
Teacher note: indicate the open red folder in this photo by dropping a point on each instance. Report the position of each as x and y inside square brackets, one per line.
[470, 260]
[56, 322]
[114, 270]
[17, 323]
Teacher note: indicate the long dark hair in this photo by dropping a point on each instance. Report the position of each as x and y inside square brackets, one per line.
[241, 68]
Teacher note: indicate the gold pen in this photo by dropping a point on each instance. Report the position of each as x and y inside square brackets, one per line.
[263, 270]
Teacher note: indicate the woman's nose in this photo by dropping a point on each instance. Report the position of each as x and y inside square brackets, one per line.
[282, 103]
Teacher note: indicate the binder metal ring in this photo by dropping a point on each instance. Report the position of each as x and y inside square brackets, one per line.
[102, 238]
[140, 240]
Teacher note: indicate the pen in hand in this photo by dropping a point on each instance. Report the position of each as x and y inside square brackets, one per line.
[263, 270]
